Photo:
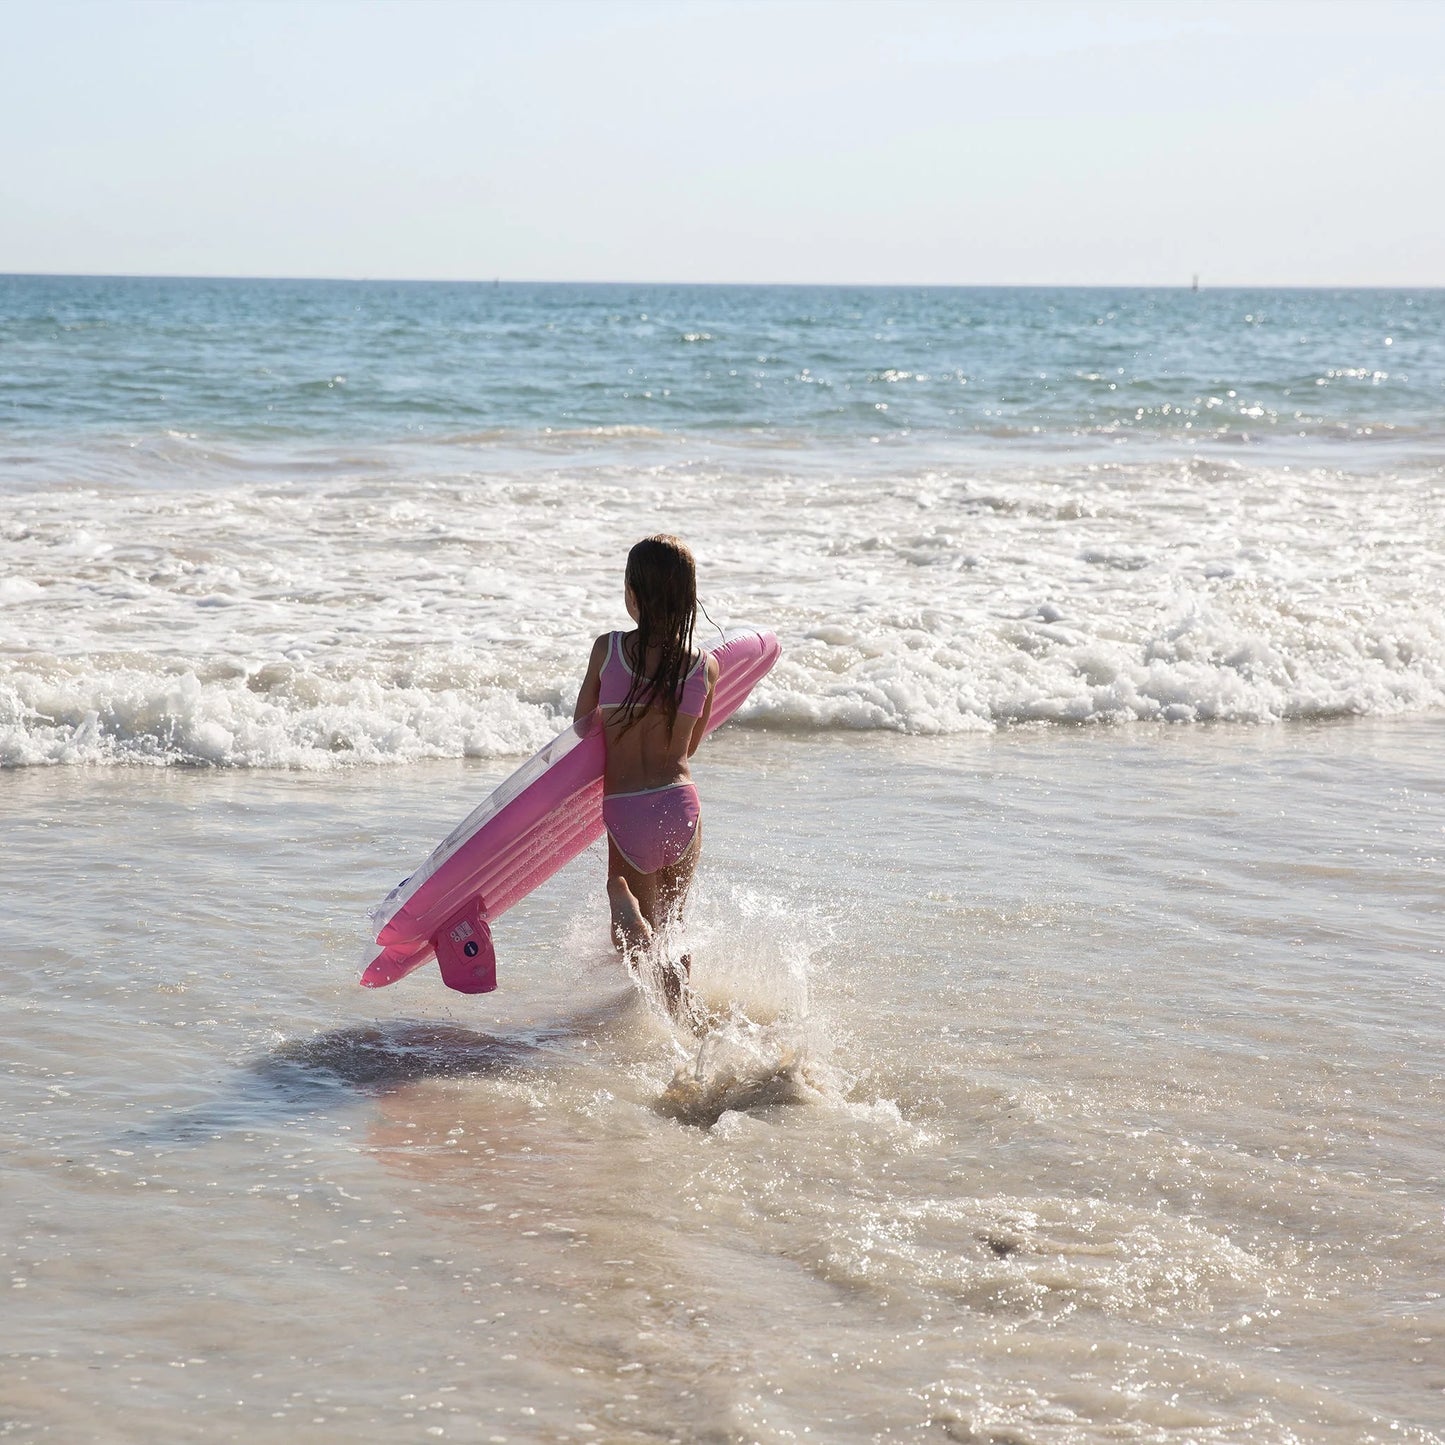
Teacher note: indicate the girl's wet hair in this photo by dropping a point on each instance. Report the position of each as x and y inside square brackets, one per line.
[663, 579]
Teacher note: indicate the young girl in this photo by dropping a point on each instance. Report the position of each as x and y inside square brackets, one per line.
[655, 693]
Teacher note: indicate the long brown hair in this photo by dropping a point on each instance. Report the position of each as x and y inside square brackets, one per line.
[663, 579]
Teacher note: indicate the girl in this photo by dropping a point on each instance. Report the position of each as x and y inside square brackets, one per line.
[655, 693]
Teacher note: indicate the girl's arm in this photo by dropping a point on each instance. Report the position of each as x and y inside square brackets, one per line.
[592, 683]
[700, 726]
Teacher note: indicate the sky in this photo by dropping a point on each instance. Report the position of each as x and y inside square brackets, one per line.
[1273, 142]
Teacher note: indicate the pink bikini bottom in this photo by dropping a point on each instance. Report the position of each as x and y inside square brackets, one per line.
[655, 827]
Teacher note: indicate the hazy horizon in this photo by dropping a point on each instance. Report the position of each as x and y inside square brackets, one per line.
[739, 285]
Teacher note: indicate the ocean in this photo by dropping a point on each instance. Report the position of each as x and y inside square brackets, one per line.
[1070, 907]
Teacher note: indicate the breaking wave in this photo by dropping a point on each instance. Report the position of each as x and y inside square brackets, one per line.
[375, 615]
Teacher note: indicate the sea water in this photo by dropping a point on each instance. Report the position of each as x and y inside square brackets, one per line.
[1070, 912]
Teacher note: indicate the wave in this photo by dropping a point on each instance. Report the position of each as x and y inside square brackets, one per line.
[1201, 663]
[367, 618]
[169, 459]
[154, 715]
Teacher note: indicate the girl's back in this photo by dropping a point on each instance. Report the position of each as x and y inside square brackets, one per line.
[646, 748]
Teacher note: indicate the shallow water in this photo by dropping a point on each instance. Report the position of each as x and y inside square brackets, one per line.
[1067, 1086]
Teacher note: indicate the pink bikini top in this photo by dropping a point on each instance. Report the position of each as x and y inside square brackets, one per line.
[616, 681]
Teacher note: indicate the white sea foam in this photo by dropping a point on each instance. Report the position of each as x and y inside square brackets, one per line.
[378, 611]
[128, 714]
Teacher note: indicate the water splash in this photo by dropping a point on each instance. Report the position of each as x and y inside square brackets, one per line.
[756, 1041]
[741, 1065]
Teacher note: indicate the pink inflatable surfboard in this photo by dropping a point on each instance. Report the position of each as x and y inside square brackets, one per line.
[541, 818]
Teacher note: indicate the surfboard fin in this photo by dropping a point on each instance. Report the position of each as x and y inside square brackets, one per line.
[464, 951]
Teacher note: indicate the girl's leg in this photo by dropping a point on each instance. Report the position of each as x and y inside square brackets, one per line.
[670, 884]
[632, 896]
[669, 894]
[642, 903]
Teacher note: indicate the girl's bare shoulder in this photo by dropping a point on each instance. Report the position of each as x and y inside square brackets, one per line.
[598, 655]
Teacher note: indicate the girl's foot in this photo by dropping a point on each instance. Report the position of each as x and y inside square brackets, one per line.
[677, 993]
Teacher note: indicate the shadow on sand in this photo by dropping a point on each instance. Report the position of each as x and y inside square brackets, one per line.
[300, 1077]
[378, 1058]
